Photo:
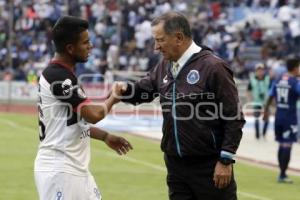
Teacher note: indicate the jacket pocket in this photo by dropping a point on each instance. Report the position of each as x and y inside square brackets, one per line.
[209, 138]
[203, 138]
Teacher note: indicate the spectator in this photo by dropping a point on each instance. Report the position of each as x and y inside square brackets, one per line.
[126, 25]
[258, 88]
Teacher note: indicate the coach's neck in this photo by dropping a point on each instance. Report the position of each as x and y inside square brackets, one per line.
[182, 47]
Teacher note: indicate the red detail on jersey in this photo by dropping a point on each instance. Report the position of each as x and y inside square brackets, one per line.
[58, 62]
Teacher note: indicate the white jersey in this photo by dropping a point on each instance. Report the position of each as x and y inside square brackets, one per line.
[65, 138]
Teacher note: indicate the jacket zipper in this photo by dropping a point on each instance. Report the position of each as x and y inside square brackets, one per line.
[214, 139]
[175, 122]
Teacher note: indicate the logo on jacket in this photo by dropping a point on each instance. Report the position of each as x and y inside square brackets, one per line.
[193, 77]
[165, 80]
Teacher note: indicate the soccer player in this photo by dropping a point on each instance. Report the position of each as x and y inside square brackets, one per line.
[285, 91]
[61, 165]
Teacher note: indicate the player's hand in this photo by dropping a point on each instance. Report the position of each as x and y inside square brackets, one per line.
[119, 144]
[222, 175]
[118, 89]
[123, 86]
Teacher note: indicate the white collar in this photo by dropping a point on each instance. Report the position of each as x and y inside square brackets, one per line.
[193, 48]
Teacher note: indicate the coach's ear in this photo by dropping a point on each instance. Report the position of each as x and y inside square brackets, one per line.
[179, 38]
[70, 49]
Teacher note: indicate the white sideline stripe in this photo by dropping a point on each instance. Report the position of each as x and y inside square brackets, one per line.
[15, 125]
[10, 123]
[133, 160]
[252, 196]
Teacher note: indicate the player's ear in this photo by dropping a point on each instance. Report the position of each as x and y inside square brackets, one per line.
[70, 49]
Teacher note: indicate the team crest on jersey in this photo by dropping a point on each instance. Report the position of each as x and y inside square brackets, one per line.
[81, 93]
[67, 87]
[193, 77]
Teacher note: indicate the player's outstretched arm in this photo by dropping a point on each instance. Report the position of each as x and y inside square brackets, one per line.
[119, 144]
[93, 113]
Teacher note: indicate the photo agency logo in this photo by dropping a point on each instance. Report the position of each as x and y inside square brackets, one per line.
[202, 106]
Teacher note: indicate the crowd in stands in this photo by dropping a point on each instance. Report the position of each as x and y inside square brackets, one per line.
[121, 33]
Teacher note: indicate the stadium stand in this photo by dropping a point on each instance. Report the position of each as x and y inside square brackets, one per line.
[243, 32]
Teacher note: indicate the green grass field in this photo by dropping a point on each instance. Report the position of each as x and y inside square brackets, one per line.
[138, 176]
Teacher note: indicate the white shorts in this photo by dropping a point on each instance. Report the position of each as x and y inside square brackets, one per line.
[64, 186]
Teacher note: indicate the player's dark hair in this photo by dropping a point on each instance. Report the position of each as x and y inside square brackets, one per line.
[292, 63]
[174, 21]
[67, 31]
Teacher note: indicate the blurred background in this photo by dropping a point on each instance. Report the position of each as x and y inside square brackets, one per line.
[243, 32]
[246, 33]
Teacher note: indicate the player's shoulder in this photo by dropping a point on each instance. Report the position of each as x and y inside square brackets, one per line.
[293, 80]
[56, 72]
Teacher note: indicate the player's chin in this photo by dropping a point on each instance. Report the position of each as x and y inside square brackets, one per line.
[86, 58]
[82, 59]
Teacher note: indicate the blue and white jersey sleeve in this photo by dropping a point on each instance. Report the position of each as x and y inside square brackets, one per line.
[272, 91]
[297, 87]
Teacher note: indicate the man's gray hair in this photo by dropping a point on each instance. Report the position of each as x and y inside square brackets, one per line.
[174, 21]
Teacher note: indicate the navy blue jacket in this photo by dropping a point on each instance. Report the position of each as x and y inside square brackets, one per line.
[201, 111]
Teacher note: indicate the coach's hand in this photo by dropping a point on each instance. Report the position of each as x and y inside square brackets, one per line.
[119, 144]
[222, 175]
[118, 88]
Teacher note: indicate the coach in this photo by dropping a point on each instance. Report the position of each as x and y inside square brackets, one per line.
[202, 125]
